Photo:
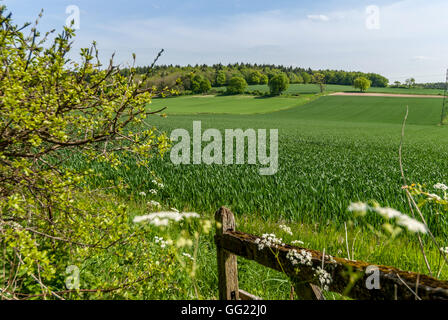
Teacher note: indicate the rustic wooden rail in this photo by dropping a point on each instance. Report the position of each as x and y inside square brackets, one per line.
[395, 284]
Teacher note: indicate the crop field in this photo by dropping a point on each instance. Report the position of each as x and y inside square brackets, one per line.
[313, 88]
[238, 104]
[332, 151]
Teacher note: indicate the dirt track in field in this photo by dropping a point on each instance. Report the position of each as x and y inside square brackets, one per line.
[384, 95]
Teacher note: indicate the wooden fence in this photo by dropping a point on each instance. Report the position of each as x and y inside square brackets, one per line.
[349, 277]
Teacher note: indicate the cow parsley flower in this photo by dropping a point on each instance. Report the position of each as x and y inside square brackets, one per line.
[432, 196]
[411, 224]
[143, 194]
[441, 186]
[152, 191]
[286, 229]
[301, 257]
[324, 278]
[444, 250]
[268, 240]
[158, 184]
[164, 217]
[187, 255]
[389, 213]
[163, 243]
[153, 203]
[297, 242]
[358, 207]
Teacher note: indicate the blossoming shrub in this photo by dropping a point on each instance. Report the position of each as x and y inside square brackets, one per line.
[52, 108]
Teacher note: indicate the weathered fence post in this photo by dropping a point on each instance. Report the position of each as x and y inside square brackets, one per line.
[227, 263]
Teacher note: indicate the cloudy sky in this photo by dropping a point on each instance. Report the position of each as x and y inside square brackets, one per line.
[399, 39]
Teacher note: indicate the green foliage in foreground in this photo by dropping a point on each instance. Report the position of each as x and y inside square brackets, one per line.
[52, 107]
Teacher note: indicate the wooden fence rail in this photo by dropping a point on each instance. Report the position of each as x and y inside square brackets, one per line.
[395, 284]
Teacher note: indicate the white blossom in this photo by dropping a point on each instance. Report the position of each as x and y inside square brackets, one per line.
[159, 184]
[268, 240]
[164, 217]
[153, 203]
[358, 207]
[286, 229]
[389, 213]
[433, 196]
[411, 224]
[324, 278]
[143, 194]
[297, 242]
[163, 243]
[440, 186]
[444, 250]
[187, 255]
[301, 257]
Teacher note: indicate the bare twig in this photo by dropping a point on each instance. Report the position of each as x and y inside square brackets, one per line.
[400, 158]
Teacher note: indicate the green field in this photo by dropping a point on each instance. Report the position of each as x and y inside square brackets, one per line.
[313, 88]
[238, 104]
[332, 151]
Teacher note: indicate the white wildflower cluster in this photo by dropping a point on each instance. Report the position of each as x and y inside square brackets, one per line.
[300, 258]
[268, 240]
[286, 229]
[441, 186]
[297, 242]
[158, 184]
[358, 207]
[389, 213]
[163, 243]
[154, 204]
[187, 255]
[444, 250]
[433, 196]
[151, 191]
[324, 277]
[163, 218]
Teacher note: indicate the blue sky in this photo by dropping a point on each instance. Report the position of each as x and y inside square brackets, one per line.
[410, 41]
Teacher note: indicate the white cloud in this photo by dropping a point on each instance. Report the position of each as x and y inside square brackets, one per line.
[320, 17]
[409, 31]
[421, 58]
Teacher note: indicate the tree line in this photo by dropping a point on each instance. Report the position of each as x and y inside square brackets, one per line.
[201, 78]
